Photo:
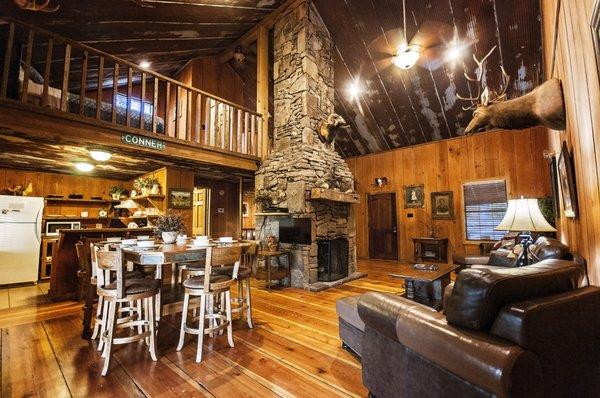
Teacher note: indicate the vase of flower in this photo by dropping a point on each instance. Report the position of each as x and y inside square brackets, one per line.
[116, 192]
[155, 189]
[168, 227]
[145, 185]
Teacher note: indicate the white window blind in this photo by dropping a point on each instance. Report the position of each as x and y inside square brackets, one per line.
[485, 206]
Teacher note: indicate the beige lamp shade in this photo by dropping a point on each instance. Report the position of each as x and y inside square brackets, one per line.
[524, 215]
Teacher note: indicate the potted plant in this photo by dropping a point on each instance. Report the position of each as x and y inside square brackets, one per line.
[144, 185]
[264, 201]
[168, 227]
[155, 189]
[117, 191]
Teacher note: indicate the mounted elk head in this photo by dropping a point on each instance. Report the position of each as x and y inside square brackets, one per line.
[32, 5]
[544, 105]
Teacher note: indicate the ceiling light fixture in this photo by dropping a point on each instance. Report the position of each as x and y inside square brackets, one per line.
[454, 52]
[354, 90]
[145, 64]
[100, 155]
[407, 56]
[84, 166]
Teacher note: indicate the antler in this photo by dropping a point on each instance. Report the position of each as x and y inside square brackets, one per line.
[501, 96]
[32, 5]
[483, 96]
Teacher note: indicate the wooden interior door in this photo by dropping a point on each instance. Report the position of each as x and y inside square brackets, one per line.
[383, 227]
[200, 205]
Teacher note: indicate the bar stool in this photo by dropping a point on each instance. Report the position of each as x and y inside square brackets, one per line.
[209, 287]
[123, 291]
[243, 299]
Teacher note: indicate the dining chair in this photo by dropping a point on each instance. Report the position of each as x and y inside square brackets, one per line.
[123, 291]
[210, 287]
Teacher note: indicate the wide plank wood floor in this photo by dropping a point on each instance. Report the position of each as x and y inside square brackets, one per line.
[293, 351]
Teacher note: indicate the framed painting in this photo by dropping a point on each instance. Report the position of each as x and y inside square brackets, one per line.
[442, 205]
[566, 179]
[414, 196]
[180, 198]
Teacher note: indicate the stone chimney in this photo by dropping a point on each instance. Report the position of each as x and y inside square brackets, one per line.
[300, 162]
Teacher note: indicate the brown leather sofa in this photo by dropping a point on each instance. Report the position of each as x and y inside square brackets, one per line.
[532, 331]
[545, 248]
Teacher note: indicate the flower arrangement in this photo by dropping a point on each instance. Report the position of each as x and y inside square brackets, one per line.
[117, 191]
[168, 227]
[271, 243]
[145, 184]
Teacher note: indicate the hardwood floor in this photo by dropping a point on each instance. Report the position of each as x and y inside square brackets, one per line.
[293, 351]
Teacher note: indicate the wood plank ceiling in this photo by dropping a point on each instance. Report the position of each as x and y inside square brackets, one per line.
[407, 107]
[166, 33]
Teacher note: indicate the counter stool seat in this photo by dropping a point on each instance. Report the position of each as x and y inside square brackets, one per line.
[197, 282]
[133, 286]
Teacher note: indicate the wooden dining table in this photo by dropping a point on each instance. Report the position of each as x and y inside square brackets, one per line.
[159, 256]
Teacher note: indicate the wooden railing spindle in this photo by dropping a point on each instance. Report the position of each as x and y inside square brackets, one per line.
[167, 109]
[47, 68]
[64, 96]
[84, 67]
[143, 102]
[129, 96]
[26, 69]
[115, 92]
[177, 111]
[99, 98]
[188, 117]
[198, 121]
[7, 56]
[155, 106]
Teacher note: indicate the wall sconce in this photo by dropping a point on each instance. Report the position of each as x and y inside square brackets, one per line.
[380, 182]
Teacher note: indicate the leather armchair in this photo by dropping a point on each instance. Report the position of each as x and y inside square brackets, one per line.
[523, 332]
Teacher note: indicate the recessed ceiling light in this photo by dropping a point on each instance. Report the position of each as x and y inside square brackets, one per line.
[84, 166]
[145, 64]
[407, 56]
[100, 155]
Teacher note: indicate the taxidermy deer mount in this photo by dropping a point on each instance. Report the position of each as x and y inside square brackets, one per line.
[32, 5]
[330, 127]
[543, 105]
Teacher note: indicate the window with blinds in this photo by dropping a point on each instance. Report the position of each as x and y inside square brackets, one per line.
[485, 206]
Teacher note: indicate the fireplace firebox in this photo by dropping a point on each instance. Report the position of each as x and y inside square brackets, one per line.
[332, 259]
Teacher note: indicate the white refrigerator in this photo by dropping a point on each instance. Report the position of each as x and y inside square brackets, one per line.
[20, 238]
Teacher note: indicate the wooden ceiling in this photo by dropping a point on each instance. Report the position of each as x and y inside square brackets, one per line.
[167, 33]
[407, 107]
[20, 151]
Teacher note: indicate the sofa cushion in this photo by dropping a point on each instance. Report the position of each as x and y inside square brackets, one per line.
[347, 309]
[546, 248]
[480, 293]
[470, 259]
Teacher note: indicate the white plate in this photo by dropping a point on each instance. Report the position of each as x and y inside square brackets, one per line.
[113, 239]
[129, 242]
[226, 239]
[202, 244]
[148, 247]
[146, 243]
[143, 237]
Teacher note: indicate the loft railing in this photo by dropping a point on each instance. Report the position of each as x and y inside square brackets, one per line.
[46, 70]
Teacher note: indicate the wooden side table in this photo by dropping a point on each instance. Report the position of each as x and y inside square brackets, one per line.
[425, 287]
[431, 249]
[278, 273]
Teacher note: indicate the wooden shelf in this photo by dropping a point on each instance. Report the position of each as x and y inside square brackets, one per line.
[331, 195]
[46, 218]
[82, 201]
[274, 214]
[146, 197]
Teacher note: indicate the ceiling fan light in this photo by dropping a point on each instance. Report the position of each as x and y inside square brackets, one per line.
[84, 166]
[100, 155]
[407, 58]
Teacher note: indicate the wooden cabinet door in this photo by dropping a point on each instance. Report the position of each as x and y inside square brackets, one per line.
[383, 229]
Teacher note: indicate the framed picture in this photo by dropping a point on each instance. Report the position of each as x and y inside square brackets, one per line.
[414, 196]
[180, 198]
[245, 209]
[566, 179]
[442, 205]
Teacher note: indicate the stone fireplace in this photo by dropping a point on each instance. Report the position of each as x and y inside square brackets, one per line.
[303, 176]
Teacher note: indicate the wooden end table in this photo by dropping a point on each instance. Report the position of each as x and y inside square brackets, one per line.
[273, 274]
[425, 287]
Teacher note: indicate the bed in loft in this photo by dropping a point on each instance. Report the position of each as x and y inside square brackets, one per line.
[35, 89]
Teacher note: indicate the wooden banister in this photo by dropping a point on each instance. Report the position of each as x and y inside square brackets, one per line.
[198, 117]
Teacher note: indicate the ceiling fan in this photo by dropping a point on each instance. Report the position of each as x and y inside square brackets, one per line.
[426, 48]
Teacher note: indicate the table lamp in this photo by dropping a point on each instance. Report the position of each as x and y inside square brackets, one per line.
[525, 216]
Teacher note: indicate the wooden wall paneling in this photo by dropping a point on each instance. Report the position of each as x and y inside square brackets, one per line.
[445, 166]
[569, 59]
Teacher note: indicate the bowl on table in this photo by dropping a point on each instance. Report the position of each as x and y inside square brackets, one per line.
[143, 237]
[226, 239]
[129, 242]
[113, 239]
[145, 243]
[201, 241]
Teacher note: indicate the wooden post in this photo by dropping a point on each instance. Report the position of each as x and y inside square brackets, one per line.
[262, 89]
[47, 71]
[99, 97]
[26, 69]
[241, 207]
[7, 55]
[65, 83]
[83, 83]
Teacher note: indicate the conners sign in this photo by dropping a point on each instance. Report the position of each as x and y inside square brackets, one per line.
[142, 141]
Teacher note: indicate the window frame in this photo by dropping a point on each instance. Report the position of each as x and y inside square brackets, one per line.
[506, 181]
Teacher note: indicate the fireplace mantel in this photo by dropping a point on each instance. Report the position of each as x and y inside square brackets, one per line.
[331, 195]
